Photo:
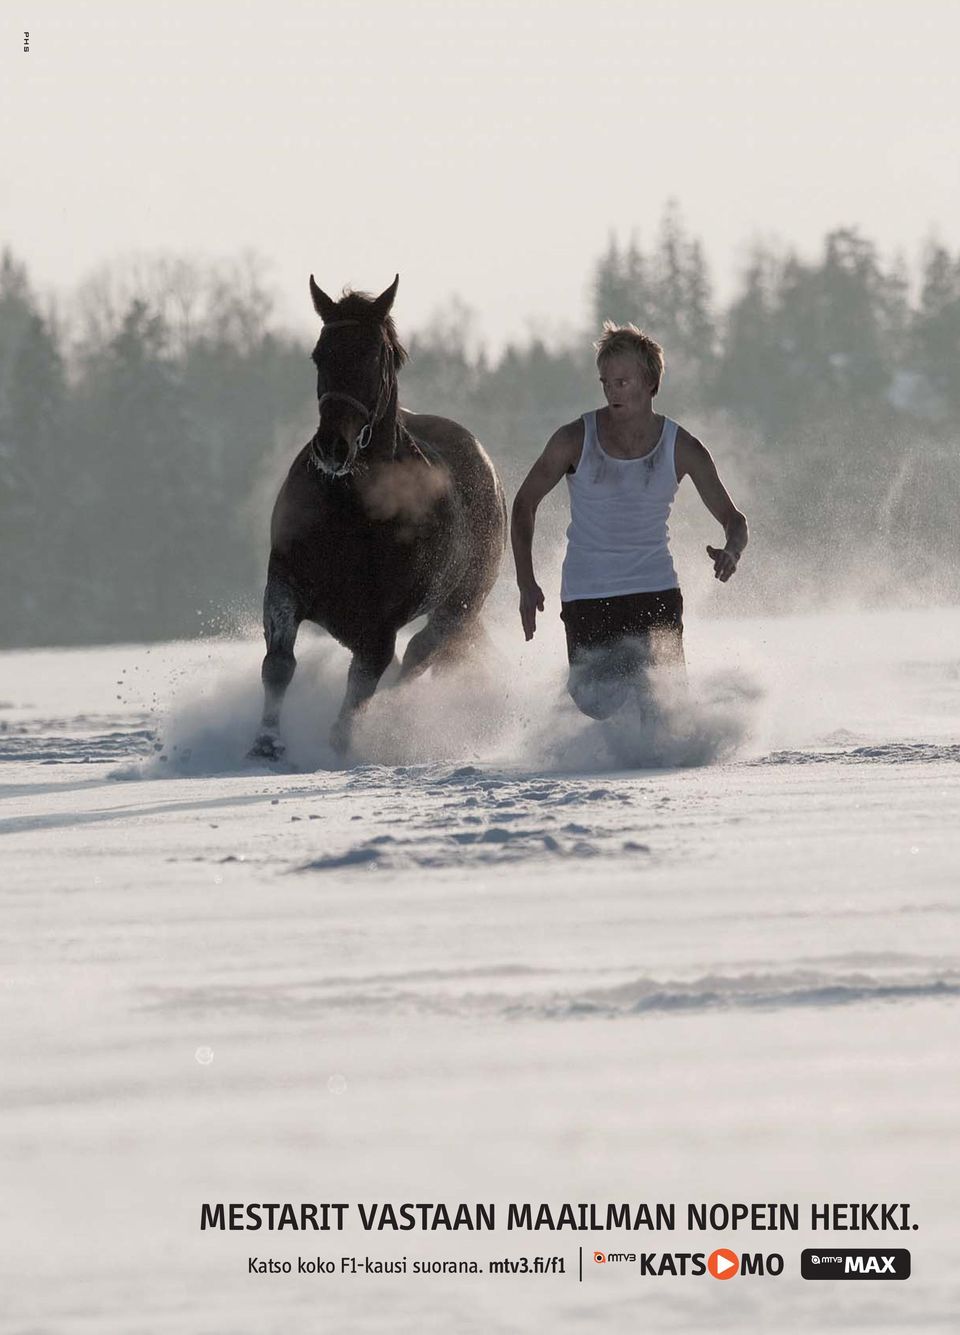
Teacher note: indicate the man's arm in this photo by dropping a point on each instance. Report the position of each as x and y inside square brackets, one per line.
[561, 454]
[694, 458]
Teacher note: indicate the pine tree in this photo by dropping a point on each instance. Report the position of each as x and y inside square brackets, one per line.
[936, 330]
[35, 497]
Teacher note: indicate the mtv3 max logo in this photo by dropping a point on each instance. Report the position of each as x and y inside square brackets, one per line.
[856, 1263]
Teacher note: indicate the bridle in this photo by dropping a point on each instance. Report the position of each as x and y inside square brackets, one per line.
[372, 416]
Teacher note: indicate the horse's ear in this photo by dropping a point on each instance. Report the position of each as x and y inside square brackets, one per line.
[322, 304]
[383, 303]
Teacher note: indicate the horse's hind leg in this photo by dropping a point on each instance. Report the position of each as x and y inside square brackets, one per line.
[454, 630]
[444, 640]
[281, 621]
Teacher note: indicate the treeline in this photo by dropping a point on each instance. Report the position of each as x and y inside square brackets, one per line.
[144, 428]
[132, 440]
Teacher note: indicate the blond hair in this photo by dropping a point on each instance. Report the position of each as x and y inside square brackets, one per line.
[617, 338]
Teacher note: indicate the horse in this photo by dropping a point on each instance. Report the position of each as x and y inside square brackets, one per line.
[385, 515]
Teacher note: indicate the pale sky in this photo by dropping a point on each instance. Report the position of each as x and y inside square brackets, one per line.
[482, 149]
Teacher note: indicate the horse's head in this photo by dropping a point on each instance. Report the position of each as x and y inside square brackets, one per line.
[357, 358]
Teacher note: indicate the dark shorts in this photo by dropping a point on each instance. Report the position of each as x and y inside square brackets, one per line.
[612, 641]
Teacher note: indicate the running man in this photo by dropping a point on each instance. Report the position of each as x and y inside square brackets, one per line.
[620, 600]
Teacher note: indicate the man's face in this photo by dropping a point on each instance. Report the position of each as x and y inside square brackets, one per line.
[625, 385]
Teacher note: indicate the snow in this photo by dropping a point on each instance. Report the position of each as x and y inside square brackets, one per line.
[503, 954]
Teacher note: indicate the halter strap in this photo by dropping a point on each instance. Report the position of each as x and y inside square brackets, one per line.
[348, 398]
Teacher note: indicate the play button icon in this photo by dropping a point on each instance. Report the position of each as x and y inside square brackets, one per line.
[723, 1264]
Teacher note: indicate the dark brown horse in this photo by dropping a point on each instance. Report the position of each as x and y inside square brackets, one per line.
[385, 515]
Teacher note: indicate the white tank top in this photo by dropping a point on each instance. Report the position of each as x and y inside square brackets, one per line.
[617, 539]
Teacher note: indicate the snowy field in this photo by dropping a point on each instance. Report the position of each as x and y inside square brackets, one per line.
[505, 954]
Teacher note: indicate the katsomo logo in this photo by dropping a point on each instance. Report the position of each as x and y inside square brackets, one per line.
[721, 1264]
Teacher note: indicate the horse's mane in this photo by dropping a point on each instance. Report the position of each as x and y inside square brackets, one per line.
[359, 306]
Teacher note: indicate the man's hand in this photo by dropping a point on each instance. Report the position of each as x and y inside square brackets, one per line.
[531, 602]
[724, 562]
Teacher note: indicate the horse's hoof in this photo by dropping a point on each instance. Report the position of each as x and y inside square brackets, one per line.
[266, 747]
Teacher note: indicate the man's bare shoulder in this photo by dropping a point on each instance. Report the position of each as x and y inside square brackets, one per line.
[689, 452]
[560, 455]
[566, 443]
[570, 431]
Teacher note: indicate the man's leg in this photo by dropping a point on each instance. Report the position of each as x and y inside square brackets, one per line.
[603, 664]
[612, 643]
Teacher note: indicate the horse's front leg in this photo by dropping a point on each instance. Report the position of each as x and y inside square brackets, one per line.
[281, 621]
[367, 666]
